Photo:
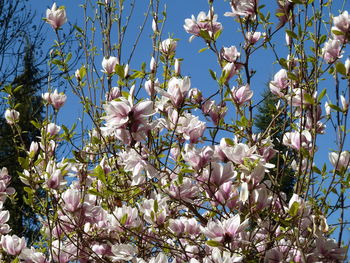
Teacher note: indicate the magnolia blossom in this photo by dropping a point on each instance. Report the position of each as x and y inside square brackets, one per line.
[340, 161]
[203, 22]
[168, 46]
[298, 140]
[177, 67]
[347, 66]
[231, 69]
[191, 127]
[341, 28]
[13, 245]
[216, 112]
[11, 116]
[151, 86]
[243, 8]
[58, 99]
[198, 158]
[253, 37]
[226, 230]
[279, 83]
[242, 94]
[114, 93]
[331, 50]
[56, 17]
[177, 90]
[118, 115]
[53, 129]
[108, 64]
[230, 54]
[123, 252]
[72, 200]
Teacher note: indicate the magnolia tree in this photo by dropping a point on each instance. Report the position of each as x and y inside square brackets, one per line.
[166, 173]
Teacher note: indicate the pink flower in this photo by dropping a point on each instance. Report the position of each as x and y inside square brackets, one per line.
[242, 8]
[177, 90]
[239, 152]
[184, 225]
[13, 245]
[230, 69]
[130, 215]
[56, 17]
[191, 127]
[341, 28]
[328, 250]
[341, 161]
[168, 46]
[195, 96]
[253, 37]
[11, 116]
[57, 99]
[108, 65]
[53, 129]
[115, 93]
[123, 252]
[297, 140]
[218, 174]
[331, 50]
[198, 158]
[230, 54]
[72, 200]
[226, 230]
[216, 112]
[242, 94]
[203, 22]
[151, 86]
[279, 83]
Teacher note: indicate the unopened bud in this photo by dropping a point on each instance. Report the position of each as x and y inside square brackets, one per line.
[347, 66]
[344, 103]
[126, 71]
[154, 25]
[177, 67]
[153, 64]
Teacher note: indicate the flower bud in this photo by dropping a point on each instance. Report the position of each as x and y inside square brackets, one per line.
[11, 116]
[108, 65]
[344, 103]
[77, 75]
[327, 108]
[154, 25]
[347, 66]
[177, 67]
[126, 71]
[153, 64]
[56, 17]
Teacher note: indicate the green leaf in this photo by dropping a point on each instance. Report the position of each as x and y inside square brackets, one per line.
[340, 68]
[123, 219]
[100, 174]
[213, 243]
[291, 34]
[217, 34]
[119, 69]
[309, 99]
[204, 34]
[322, 94]
[335, 107]
[213, 74]
[203, 49]
[294, 209]
[155, 206]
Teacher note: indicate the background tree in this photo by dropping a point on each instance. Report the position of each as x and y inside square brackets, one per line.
[24, 90]
[267, 111]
